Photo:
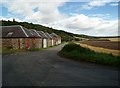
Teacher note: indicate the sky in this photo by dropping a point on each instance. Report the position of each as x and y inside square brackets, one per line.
[91, 17]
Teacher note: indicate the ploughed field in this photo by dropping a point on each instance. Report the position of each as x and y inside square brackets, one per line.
[103, 44]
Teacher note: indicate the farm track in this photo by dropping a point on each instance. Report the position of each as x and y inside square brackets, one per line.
[46, 68]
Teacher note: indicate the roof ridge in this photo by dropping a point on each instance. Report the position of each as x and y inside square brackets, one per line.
[48, 34]
[24, 31]
[45, 35]
[37, 33]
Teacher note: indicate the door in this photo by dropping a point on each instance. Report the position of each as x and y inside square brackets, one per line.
[52, 42]
[44, 43]
[27, 44]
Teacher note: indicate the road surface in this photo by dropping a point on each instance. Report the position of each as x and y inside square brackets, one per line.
[46, 68]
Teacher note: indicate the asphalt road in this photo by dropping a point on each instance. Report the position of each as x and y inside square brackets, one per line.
[46, 68]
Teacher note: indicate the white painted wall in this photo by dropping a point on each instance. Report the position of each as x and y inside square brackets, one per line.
[44, 43]
[59, 41]
[52, 42]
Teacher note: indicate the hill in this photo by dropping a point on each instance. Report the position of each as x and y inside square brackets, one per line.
[66, 36]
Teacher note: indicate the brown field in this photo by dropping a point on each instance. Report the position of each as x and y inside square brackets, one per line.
[108, 47]
[103, 44]
[114, 39]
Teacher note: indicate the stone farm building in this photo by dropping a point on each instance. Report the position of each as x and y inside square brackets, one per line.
[50, 39]
[56, 38]
[19, 37]
[44, 39]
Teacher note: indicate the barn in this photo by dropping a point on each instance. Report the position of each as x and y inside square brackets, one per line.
[13, 37]
[44, 39]
[17, 37]
[50, 39]
[57, 39]
[36, 39]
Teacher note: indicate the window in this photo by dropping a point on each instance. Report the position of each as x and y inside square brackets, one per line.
[9, 34]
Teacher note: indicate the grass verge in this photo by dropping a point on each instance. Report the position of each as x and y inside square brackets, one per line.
[35, 49]
[78, 53]
[6, 50]
[10, 51]
[0, 50]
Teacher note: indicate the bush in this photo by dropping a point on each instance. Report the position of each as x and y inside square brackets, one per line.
[34, 49]
[10, 47]
[76, 52]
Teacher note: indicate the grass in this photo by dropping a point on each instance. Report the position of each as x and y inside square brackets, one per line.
[34, 49]
[6, 50]
[0, 50]
[10, 50]
[76, 52]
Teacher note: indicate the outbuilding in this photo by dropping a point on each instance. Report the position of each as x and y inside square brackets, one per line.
[36, 41]
[50, 40]
[18, 37]
[57, 39]
[44, 39]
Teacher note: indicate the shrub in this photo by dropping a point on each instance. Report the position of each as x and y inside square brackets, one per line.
[34, 49]
[10, 47]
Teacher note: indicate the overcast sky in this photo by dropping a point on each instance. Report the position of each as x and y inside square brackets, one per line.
[91, 17]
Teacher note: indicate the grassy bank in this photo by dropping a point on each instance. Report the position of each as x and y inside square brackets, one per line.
[76, 52]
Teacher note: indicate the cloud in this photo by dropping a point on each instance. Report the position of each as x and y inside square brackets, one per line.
[87, 25]
[103, 16]
[46, 12]
[95, 3]
[114, 4]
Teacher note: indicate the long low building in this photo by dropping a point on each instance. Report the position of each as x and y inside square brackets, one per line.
[19, 37]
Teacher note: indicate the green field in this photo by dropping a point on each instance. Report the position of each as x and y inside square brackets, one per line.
[78, 53]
